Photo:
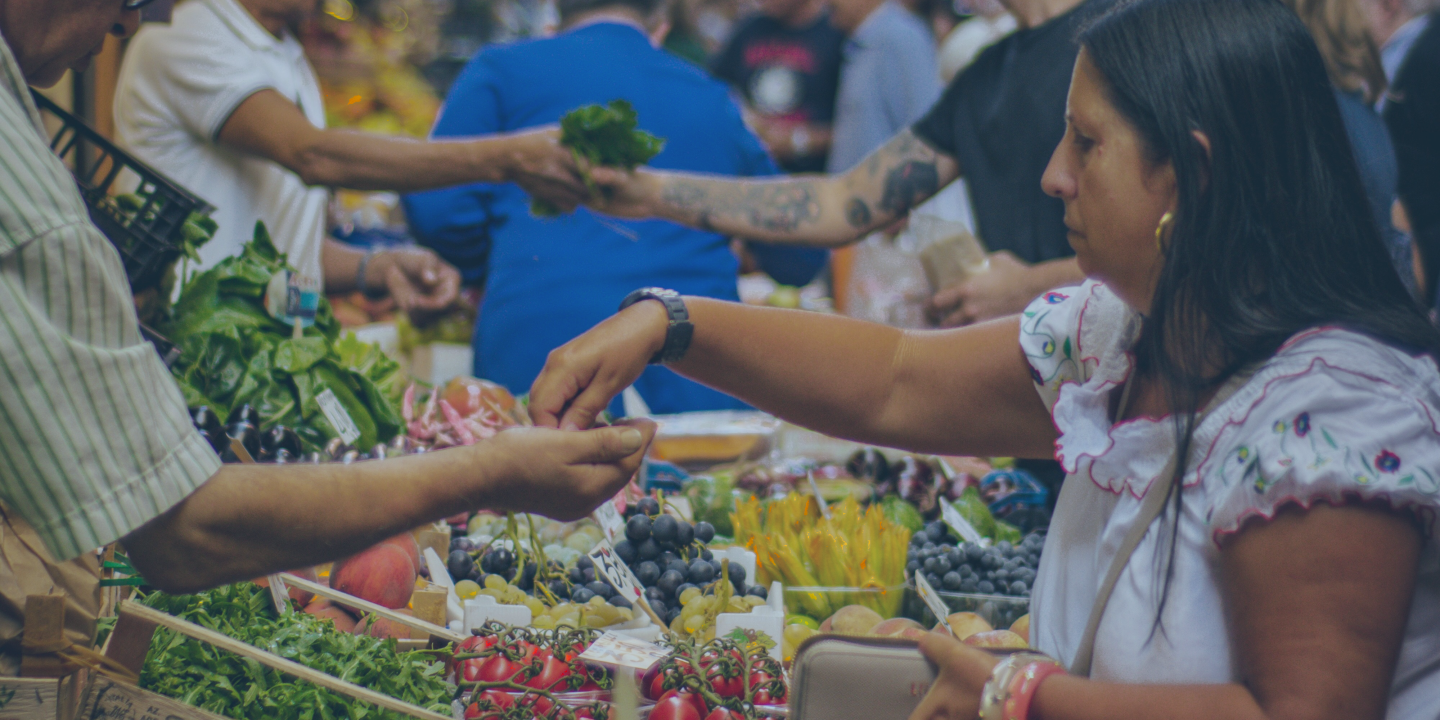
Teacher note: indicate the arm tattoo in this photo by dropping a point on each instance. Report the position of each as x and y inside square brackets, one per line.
[773, 206]
[909, 184]
[858, 213]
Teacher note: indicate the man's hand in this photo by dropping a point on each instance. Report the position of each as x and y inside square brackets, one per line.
[541, 166]
[1005, 289]
[963, 673]
[582, 376]
[418, 280]
[624, 193]
[563, 475]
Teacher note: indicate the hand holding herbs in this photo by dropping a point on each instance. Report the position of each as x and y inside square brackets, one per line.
[606, 136]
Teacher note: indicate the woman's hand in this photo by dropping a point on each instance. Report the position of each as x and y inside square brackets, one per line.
[582, 376]
[963, 672]
[418, 280]
[563, 475]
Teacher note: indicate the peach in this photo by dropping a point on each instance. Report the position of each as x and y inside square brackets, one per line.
[1021, 626]
[913, 633]
[825, 624]
[997, 639]
[384, 575]
[965, 624]
[894, 626]
[854, 620]
[407, 544]
[324, 610]
[379, 627]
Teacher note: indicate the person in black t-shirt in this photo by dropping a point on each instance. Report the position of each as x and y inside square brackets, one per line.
[996, 125]
[785, 63]
[1412, 113]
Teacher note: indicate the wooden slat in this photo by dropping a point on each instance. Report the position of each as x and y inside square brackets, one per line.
[336, 596]
[227, 643]
[29, 698]
[107, 699]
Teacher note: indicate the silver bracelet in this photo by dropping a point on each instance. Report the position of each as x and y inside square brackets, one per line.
[360, 283]
[997, 688]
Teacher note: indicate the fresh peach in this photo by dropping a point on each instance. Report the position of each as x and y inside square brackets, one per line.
[325, 610]
[854, 620]
[303, 597]
[379, 627]
[997, 639]
[1021, 627]
[965, 624]
[894, 626]
[384, 574]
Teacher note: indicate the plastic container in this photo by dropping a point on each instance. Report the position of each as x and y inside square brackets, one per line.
[822, 602]
[149, 239]
[999, 610]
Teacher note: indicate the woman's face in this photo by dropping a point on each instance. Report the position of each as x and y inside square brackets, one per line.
[1114, 197]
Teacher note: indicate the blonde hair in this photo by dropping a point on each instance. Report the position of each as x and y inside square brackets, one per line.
[1351, 57]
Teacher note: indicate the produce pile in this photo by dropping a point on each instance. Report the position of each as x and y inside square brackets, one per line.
[956, 566]
[464, 411]
[201, 675]
[510, 673]
[606, 136]
[729, 678]
[234, 354]
[855, 548]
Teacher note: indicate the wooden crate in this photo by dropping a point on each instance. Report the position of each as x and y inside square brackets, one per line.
[40, 698]
[107, 699]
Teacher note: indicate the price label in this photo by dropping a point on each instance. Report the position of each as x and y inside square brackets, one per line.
[958, 523]
[938, 608]
[292, 299]
[609, 520]
[615, 572]
[279, 594]
[338, 417]
[819, 500]
[620, 651]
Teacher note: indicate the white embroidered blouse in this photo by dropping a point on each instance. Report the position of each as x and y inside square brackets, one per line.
[1334, 415]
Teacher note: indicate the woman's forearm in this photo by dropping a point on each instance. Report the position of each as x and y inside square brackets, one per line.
[1063, 697]
[965, 391]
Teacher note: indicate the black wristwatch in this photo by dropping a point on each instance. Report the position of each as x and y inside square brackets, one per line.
[679, 332]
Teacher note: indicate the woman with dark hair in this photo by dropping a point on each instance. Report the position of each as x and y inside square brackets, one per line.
[1244, 396]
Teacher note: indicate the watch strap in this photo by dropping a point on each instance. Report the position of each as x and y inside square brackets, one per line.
[679, 330]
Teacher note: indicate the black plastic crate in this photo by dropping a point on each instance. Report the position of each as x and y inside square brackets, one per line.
[148, 237]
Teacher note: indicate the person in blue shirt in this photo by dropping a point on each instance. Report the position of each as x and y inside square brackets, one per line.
[549, 280]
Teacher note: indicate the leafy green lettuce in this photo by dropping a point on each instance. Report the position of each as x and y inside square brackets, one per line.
[234, 353]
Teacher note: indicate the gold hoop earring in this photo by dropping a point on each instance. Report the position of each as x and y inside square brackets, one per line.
[1165, 221]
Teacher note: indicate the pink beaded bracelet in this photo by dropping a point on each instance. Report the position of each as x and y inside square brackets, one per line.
[1024, 685]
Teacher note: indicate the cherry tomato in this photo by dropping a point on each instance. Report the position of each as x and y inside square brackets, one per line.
[540, 705]
[692, 699]
[725, 687]
[724, 713]
[495, 699]
[471, 671]
[759, 682]
[497, 669]
[553, 675]
[674, 707]
[473, 712]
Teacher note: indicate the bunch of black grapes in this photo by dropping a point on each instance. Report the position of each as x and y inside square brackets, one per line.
[955, 566]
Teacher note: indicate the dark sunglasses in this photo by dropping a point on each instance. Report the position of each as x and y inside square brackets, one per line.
[135, 4]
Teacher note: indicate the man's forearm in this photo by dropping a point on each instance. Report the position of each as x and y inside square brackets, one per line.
[248, 520]
[366, 161]
[826, 211]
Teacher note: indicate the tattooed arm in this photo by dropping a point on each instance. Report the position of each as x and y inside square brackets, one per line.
[821, 210]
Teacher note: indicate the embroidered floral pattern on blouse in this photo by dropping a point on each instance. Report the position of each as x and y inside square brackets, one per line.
[1298, 447]
[1064, 367]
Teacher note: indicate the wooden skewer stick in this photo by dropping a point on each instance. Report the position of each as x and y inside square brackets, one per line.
[275, 662]
[413, 623]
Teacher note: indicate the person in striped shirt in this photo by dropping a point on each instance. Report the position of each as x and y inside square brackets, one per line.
[95, 441]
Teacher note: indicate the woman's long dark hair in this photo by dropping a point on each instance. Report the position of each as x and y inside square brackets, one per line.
[1272, 233]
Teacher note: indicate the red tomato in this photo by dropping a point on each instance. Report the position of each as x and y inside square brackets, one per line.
[473, 712]
[725, 687]
[656, 688]
[692, 699]
[540, 705]
[471, 671]
[552, 676]
[674, 707]
[496, 699]
[724, 713]
[497, 669]
[763, 695]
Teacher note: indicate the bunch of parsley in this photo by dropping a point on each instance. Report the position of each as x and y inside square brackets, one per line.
[603, 135]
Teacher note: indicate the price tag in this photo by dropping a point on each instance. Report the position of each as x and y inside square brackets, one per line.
[958, 523]
[338, 417]
[616, 572]
[938, 608]
[620, 651]
[292, 299]
[819, 500]
[279, 594]
[609, 520]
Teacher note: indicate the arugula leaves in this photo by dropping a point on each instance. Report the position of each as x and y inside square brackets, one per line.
[607, 135]
[204, 676]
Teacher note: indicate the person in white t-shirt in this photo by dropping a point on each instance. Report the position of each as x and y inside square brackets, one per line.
[223, 101]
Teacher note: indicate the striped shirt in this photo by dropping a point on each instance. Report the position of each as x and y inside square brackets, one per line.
[94, 435]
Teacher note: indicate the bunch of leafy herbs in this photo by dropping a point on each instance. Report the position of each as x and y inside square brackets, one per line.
[207, 677]
[234, 353]
[603, 135]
